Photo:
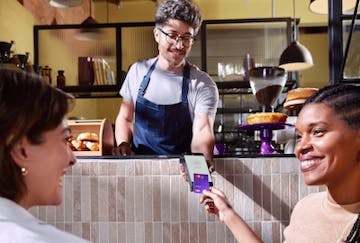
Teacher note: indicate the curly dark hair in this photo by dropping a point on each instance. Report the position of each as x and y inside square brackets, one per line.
[29, 106]
[184, 10]
[343, 99]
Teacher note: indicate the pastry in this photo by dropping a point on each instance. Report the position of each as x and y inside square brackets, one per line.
[266, 117]
[298, 96]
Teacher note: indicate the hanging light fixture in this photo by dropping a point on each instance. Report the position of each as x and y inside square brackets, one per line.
[296, 56]
[65, 3]
[321, 6]
[88, 32]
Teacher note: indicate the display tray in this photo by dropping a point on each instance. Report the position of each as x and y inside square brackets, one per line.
[261, 126]
[102, 128]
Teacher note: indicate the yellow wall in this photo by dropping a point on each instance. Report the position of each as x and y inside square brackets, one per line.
[16, 23]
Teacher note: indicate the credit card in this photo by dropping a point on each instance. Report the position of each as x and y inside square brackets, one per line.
[201, 182]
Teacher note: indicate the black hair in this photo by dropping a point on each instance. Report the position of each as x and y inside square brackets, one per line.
[343, 99]
[184, 10]
[354, 235]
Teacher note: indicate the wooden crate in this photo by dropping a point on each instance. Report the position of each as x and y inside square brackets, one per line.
[101, 127]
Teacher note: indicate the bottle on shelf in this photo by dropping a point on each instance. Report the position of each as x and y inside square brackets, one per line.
[60, 79]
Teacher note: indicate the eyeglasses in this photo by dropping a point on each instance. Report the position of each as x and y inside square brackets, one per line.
[173, 38]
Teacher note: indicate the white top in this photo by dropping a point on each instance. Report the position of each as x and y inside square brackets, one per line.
[19, 225]
[165, 88]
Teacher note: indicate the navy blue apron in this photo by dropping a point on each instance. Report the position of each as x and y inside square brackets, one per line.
[162, 129]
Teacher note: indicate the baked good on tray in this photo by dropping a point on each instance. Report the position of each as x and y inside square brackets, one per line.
[266, 117]
[298, 96]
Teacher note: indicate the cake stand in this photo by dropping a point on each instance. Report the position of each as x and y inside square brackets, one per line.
[266, 134]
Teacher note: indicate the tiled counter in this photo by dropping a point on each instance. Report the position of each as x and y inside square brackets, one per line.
[146, 200]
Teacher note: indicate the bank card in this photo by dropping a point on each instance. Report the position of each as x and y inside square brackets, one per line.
[201, 182]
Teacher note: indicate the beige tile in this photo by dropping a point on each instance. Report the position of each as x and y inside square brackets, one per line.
[229, 167]
[266, 194]
[149, 234]
[86, 231]
[113, 232]
[112, 198]
[165, 199]
[285, 200]
[147, 164]
[294, 189]
[184, 188]
[68, 199]
[175, 198]
[156, 167]
[130, 232]
[257, 196]
[156, 198]
[166, 232]
[189, 232]
[112, 169]
[129, 168]
[248, 200]
[120, 199]
[139, 232]
[174, 167]
[50, 213]
[175, 232]
[139, 198]
[165, 167]
[94, 199]
[121, 232]
[129, 198]
[103, 168]
[275, 197]
[77, 198]
[148, 199]
[139, 168]
[238, 166]
[158, 232]
[266, 167]
[203, 236]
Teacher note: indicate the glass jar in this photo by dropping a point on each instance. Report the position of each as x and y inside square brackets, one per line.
[60, 79]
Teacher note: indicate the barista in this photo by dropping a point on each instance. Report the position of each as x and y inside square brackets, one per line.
[168, 104]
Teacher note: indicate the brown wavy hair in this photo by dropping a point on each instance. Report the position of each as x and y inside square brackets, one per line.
[29, 106]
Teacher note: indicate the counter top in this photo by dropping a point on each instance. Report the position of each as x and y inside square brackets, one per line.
[180, 156]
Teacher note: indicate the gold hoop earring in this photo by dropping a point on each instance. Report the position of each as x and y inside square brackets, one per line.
[24, 171]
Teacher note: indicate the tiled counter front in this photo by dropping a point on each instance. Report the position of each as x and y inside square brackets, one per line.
[133, 201]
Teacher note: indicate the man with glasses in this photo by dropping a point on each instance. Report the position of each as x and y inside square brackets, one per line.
[168, 104]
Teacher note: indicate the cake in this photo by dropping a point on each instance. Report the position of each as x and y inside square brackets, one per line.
[298, 96]
[266, 117]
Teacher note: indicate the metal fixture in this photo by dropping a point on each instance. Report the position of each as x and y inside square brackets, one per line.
[296, 56]
[65, 3]
[321, 6]
[88, 32]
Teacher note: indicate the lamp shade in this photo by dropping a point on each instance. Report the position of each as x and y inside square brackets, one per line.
[321, 6]
[65, 3]
[296, 57]
[87, 32]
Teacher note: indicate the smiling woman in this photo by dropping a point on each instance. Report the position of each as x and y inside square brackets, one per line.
[34, 155]
[328, 149]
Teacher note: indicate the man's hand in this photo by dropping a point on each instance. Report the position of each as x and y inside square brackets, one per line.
[123, 149]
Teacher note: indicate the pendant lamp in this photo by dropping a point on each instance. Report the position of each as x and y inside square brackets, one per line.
[65, 3]
[87, 32]
[321, 6]
[296, 56]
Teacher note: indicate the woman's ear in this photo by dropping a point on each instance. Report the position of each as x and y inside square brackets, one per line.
[18, 153]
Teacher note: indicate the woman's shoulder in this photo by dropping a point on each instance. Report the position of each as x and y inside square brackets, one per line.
[311, 202]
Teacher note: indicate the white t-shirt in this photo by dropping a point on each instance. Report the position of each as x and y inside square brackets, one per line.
[165, 88]
[19, 225]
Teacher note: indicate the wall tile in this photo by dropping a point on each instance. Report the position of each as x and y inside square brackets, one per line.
[148, 200]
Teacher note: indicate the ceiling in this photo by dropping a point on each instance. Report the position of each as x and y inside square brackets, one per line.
[47, 14]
